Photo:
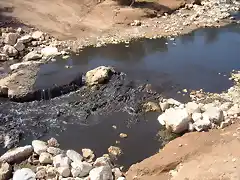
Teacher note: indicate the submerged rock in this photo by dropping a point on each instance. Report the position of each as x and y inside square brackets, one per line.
[151, 107]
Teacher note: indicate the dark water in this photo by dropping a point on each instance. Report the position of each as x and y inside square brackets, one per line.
[200, 60]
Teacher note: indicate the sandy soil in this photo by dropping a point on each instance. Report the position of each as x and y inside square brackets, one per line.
[211, 155]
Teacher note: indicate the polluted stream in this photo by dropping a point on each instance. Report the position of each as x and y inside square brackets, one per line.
[85, 118]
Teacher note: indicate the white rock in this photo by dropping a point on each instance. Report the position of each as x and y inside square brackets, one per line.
[80, 169]
[61, 160]
[173, 102]
[176, 120]
[235, 109]
[37, 35]
[192, 107]
[225, 123]
[202, 124]
[24, 174]
[117, 173]
[196, 116]
[205, 107]
[88, 153]
[32, 56]
[102, 161]
[17, 154]
[39, 146]
[98, 75]
[214, 114]
[64, 171]
[121, 178]
[164, 106]
[225, 106]
[25, 39]
[19, 46]
[49, 51]
[101, 173]
[3, 57]
[23, 64]
[54, 151]
[45, 158]
[74, 156]
[11, 38]
[10, 51]
[5, 171]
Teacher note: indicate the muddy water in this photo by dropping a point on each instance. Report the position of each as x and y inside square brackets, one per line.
[84, 119]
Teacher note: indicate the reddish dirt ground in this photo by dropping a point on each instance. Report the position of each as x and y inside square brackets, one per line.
[211, 155]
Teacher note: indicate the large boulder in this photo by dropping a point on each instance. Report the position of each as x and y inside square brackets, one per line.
[33, 55]
[99, 75]
[101, 173]
[177, 120]
[74, 156]
[39, 146]
[202, 123]
[10, 38]
[214, 114]
[10, 50]
[24, 174]
[49, 51]
[17, 154]
[80, 169]
[192, 107]
[61, 160]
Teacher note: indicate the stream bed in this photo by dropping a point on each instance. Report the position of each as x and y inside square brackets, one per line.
[202, 59]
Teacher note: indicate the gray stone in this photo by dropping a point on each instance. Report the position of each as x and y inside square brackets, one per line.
[5, 171]
[214, 114]
[54, 151]
[25, 39]
[192, 107]
[45, 158]
[101, 173]
[64, 171]
[121, 178]
[24, 174]
[23, 64]
[61, 160]
[32, 56]
[52, 142]
[102, 161]
[74, 156]
[10, 38]
[164, 106]
[176, 120]
[10, 51]
[37, 35]
[39, 146]
[3, 57]
[49, 51]
[117, 173]
[98, 75]
[17, 154]
[225, 106]
[80, 169]
[202, 124]
[19, 46]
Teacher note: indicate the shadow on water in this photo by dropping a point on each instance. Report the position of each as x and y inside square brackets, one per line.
[202, 59]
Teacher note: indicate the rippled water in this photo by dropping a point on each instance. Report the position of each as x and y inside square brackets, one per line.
[202, 59]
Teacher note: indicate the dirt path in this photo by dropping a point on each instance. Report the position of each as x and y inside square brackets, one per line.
[195, 156]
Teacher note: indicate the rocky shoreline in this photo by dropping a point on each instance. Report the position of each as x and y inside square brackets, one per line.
[43, 161]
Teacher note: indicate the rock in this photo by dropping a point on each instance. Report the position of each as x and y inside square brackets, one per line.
[151, 107]
[23, 64]
[164, 106]
[136, 23]
[10, 51]
[173, 102]
[5, 171]
[192, 107]
[41, 174]
[176, 120]
[235, 109]
[45, 158]
[24, 174]
[52, 172]
[214, 114]
[3, 57]
[49, 51]
[117, 173]
[19, 46]
[123, 135]
[101, 173]
[102, 161]
[37, 35]
[74, 156]
[121, 178]
[88, 154]
[10, 38]
[225, 106]
[80, 169]
[54, 151]
[25, 39]
[196, 116]
[39, 146]
[32, 56]
[98, 75]
[64, 171]
[52, 142]
[17, 154]
[202, 124]
[61, 160]
[225, 123]
[20, 30]
[115, 151]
